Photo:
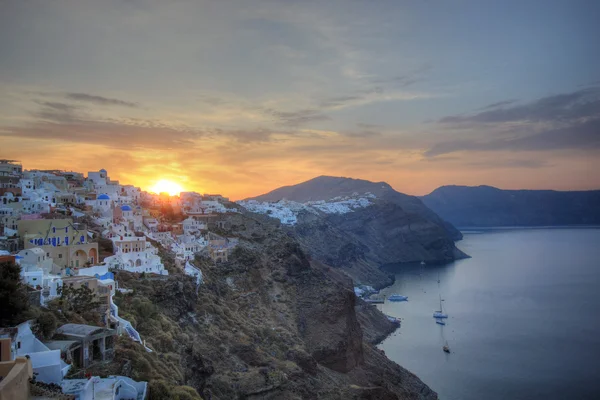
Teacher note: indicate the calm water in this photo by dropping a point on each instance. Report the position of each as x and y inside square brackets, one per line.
[524, 317]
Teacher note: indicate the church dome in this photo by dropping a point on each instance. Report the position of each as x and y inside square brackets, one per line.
[103, 197]
[126, 208]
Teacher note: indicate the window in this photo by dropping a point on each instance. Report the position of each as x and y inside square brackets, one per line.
[60, 256]
[18, 345]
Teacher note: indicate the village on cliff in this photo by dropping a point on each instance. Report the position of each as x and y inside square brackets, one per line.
[67, 231]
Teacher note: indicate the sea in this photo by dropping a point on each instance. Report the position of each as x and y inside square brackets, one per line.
[524, 317]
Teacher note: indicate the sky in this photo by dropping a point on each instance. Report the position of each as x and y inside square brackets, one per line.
[244, 96]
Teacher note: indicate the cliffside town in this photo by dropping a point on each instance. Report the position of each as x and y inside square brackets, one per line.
[116, 293]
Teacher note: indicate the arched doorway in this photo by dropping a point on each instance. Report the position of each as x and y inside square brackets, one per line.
[93, 255]
[138, 263]
[78, 259]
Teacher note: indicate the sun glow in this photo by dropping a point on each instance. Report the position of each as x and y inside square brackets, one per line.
[166, 186]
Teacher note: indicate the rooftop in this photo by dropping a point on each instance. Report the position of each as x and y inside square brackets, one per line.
[79, 329]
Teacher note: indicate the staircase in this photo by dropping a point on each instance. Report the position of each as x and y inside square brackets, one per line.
[126, 325]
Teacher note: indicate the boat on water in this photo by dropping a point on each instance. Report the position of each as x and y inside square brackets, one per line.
[440, 321]
[423, 262]
[393, 319]
[440, 313]
[446, 348]
[397, 297]
[375, 301]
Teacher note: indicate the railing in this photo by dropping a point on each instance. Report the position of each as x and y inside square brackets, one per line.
[129, 329]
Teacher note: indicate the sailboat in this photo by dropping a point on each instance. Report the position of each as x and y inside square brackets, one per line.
[446, 348]
[440, 312]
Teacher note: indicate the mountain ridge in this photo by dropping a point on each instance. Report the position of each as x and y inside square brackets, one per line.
[389, 228]
[487, 206]
[344, 186]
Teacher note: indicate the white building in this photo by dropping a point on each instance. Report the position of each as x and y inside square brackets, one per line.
[186, 246]
[46, 363]
[102, 183]
[133, 219]
[193, 226]
[110, 388]
[98, 178]
[135, 254]
[102, 205]
[34, 264]
[151, 223]
[36, 270]
[27, 186]
[131, 192]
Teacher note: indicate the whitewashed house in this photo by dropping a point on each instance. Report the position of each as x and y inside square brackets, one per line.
[46, 363]
[135, 254]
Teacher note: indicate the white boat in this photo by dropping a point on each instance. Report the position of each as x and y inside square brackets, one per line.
[397, 297]
[440, 321]
[423, 262]
[440, 313]
[393, 319]
[446, 348]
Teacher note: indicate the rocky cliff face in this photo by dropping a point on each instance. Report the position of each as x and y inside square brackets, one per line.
[361, 241]
[394, 228]
[269, 324]
[328, 187]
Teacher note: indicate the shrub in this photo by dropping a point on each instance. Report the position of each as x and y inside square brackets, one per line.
[185, 393]
[46, 324]
[13, 295]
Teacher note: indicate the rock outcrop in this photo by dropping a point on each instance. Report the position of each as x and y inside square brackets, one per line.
[329, 187]
[394, 228]
[269, 324]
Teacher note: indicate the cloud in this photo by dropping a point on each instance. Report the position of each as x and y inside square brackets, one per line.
[404, 80]
[368, 126]
[365, 133]
[560, 107]
[213, 100]
[334, 102]
[61, 107]
[100, 100]
[562, 121]
[297, 118]
[68, 123]
[242, 135]
[510, 163]
[499, 104]
[374, 94]
[580, 136]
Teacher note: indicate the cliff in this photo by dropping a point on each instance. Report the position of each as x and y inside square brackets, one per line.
[268, 324]
[394, 228]
[329, 187]
[486, 206]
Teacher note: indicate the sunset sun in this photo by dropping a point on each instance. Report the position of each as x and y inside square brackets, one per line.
[166, 186]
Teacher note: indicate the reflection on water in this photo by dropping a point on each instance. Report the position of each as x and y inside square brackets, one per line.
[523, 317]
